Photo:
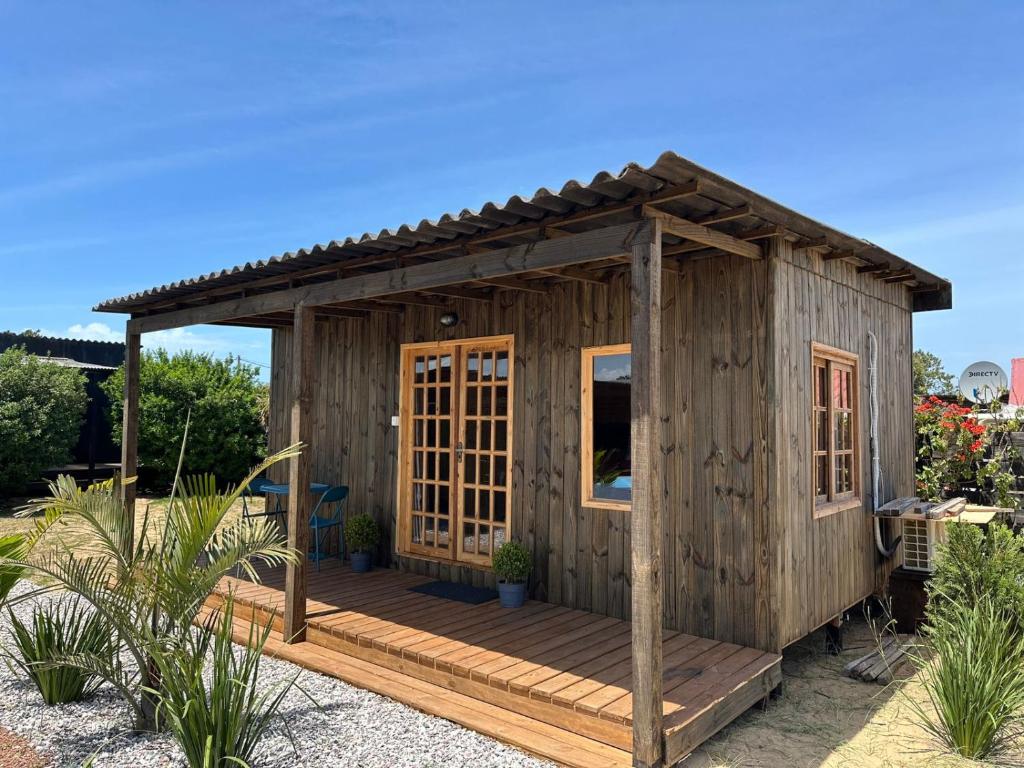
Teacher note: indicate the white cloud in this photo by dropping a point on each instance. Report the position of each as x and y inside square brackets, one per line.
[174, 340]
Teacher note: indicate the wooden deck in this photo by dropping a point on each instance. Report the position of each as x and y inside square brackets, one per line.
[535, 670]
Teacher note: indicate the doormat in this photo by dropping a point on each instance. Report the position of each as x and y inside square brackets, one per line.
[463, 593]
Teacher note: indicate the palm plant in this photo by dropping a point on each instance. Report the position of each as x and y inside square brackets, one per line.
[12, 549]
[60, 630]
[147, 589]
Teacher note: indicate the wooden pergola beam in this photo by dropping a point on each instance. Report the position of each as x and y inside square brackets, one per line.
[299, 471]
[436, 277]
[698, 233]
[130, 428]
[646, 509]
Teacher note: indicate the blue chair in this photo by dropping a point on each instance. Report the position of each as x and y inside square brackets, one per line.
[326, 515]
[255, 488]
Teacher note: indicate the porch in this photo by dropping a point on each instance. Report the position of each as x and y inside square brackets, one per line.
[547, 679]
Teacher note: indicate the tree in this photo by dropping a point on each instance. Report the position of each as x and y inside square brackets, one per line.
[930, 378]
[42, 406]
[226, 436]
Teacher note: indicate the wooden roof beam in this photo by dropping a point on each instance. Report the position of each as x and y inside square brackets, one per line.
[898, 276]
[869, 268]
[514, 284]
[575, 273]
[437, 277]
[810, 242]
[698, 233]
[727, 214]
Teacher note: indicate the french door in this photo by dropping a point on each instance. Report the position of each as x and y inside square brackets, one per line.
[455, 448]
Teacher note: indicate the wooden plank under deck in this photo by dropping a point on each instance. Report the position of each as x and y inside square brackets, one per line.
[549, 664]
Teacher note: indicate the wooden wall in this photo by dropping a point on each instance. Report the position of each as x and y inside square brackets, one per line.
[829, 564]
[744, 560]
[717, 555]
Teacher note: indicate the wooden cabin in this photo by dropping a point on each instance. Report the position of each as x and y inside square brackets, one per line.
[658, 381]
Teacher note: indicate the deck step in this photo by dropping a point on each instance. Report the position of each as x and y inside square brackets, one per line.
[533, 736]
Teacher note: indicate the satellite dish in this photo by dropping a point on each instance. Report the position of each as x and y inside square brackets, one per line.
[983, 382]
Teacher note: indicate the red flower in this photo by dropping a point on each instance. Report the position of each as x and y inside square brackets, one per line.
[976, 446]
[947, 424]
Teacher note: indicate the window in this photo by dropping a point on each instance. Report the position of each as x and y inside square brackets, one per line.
[605, 421]
[836, 459]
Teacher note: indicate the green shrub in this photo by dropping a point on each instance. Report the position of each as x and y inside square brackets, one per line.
[226, 436]
[361, 533]
[220, 723]
[65, 640]
[512, 563]
[42, 406]
[973, 672]
[973, 564]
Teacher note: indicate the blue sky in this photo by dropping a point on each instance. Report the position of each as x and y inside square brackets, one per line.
[145, 142]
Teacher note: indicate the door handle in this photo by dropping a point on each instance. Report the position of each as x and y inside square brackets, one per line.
[458, 452]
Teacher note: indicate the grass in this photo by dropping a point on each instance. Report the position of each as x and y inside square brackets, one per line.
[9, 523]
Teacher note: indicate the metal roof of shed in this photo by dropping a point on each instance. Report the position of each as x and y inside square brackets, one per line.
[545, 206]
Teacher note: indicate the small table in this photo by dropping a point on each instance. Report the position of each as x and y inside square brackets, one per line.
[281, 489]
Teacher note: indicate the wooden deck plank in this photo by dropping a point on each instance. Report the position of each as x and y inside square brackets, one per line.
[566, 672]
[533, 736]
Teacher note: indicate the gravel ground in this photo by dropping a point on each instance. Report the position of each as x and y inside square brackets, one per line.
[351, 727]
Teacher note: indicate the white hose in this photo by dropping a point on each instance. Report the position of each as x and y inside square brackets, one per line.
[876, 459]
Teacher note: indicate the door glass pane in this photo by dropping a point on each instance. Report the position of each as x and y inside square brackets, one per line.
[484, 540]
[500, 499]
[501, 401]
[500, 470]
[471, 401]
[501, 435]
[485, 401]
[469, 467]
[471, 434]
[446, 368]
[469, 537]
[501, 368]
[473, 367]
[419, 367]
[485, 435]
[610, 406]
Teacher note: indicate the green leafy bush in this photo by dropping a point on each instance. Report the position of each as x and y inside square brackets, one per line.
[65, 640]
[42, 406]
[361, 533]
[217, 723]
[973, 672]
[227, 435]
[973, 564]
[512, 563]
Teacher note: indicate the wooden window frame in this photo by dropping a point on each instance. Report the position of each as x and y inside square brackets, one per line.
[828, 357]
[587, 355]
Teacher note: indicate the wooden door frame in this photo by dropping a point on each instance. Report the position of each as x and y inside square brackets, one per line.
[403, 516]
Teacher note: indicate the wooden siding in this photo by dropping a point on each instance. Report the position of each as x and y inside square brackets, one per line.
[828, 564]
[716, 547]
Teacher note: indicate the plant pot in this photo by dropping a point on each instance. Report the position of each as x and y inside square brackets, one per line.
[511, 595]
[361, 562]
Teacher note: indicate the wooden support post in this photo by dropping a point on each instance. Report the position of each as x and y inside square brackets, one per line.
[303, 361]
[645, 300]
[130, 427]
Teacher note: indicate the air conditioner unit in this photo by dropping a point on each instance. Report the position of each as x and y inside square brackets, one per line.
[920, 543]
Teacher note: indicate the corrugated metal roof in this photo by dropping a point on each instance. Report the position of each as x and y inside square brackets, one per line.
[67, 362]
[634, 181]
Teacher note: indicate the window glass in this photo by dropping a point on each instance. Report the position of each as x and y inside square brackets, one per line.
[610, 427]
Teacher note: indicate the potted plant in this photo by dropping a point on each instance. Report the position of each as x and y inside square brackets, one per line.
[362, 534]
[512, 565]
